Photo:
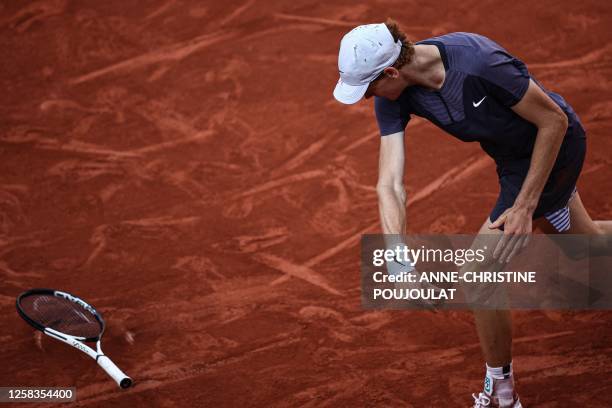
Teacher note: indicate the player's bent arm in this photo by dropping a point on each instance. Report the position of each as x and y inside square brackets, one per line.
[390, 186]
[539, 109]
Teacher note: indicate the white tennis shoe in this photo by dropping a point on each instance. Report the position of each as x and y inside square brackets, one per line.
[483, 400]
[497, 394]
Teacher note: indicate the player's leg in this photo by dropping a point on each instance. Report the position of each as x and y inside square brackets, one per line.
[494, 328]
[581, 223]
[604, 226]
[600, 240]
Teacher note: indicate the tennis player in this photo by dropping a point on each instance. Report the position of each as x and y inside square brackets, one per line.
[472, 88]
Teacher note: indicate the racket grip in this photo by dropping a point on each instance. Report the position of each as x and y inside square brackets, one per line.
[116, 374]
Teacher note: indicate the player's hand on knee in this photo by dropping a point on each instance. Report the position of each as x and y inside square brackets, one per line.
[518, 225]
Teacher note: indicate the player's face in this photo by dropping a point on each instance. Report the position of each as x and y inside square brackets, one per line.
[388, 85]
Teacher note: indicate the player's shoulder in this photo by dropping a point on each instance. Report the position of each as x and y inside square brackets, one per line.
[472, 41]
[392, 116]
[399, 107]
[468, 52]
[459, 38]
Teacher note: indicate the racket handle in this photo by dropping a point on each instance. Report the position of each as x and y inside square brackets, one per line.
[116, 374]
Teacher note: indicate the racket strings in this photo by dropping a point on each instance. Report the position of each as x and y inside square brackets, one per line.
[62, 315]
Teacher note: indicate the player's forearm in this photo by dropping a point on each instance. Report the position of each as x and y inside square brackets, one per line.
[392, 207]
[545, 151]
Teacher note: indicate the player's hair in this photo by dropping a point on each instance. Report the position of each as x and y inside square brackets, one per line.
[407, 51]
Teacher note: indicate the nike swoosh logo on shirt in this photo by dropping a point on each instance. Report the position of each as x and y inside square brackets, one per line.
[477, 104]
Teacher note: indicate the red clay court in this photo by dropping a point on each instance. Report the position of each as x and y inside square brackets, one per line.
[183, 166]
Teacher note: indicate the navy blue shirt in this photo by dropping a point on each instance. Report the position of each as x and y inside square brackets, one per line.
[482, 82]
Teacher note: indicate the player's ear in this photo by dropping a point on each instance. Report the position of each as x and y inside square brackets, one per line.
[391, 72]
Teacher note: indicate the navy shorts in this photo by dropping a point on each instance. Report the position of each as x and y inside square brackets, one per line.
[560, 186]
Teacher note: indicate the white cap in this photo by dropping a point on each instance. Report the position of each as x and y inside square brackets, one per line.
[365, 52]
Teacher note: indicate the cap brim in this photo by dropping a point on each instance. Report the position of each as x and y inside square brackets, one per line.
[349, 94]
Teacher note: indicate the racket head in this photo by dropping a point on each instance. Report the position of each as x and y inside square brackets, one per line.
[62, 312]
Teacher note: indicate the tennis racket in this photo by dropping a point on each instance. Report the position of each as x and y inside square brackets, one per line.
[69, 319]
